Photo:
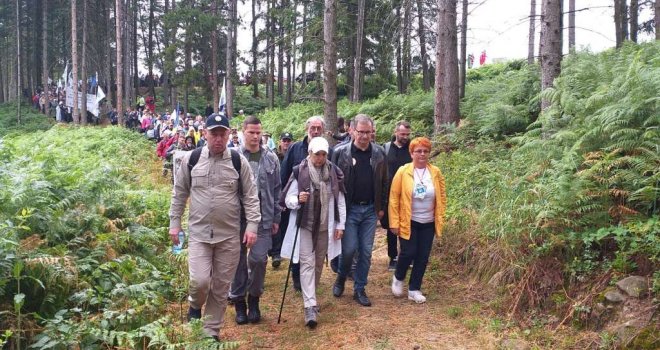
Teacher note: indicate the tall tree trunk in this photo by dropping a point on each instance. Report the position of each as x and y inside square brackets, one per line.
[571, 25]
[44, 44]
[270, 62]
[120, 58]
[231, 69]
[463, 58]
[406, 55]
[150, 56]
[656, 17]
[426, 79]
[330, 64]
[214, 58]
[128, 85]
[280, 54]
[446, 81]
[294, 37]
[18, 68]
[134, 56]
[107, 67]
[164, 75]
[357, 66]
[399, 71]
[83, 70]
[303, 66]
[619, 22]
[634, 19]
[532, 32]
[74, 60]
[255, 51]
[551, 44]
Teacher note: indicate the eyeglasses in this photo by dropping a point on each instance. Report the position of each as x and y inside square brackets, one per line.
[421, 151]
[363, 133]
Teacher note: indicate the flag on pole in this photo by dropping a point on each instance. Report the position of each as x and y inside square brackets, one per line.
[99, 95]
[223, 99]
[65, 75]
[175, 116]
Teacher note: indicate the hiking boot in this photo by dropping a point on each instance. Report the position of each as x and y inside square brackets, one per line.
[416, 296]
[241, 310]
[194, 314]
[338, 287]
[277, 261]
[397, 287]
[392, 265]
[361, 297]
[310, 317]
[254, 314]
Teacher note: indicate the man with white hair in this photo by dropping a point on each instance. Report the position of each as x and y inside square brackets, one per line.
[315, 127]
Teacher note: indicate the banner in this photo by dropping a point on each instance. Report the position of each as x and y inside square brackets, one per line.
[92, 102]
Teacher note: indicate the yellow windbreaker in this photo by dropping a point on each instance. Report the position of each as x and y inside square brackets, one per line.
[400, 205]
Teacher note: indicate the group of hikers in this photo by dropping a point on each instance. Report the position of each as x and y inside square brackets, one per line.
[304, 201]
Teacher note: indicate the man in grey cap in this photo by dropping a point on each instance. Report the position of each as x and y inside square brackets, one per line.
[219, 184]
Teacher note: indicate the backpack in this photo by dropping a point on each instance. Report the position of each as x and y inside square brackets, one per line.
[235, 161]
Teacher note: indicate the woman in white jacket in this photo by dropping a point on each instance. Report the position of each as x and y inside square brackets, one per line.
[316, 192]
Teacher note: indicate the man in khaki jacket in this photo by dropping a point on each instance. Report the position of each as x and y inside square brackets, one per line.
[214, 187]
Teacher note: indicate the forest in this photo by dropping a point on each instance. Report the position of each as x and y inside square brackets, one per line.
[552, 166]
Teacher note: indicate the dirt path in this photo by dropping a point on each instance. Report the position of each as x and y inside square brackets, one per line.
[448, 320]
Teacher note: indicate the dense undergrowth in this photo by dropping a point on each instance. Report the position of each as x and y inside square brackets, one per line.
[83, 222]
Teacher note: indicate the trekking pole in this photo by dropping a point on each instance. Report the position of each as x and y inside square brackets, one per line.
[293, 250]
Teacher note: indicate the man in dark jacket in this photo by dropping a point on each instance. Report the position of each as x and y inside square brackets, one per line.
[365, 177]
[315, 127]
[396, 155]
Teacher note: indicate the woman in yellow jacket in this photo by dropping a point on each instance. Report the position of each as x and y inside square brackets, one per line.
[417, 214]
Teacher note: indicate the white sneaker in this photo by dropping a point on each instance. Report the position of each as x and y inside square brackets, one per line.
[397, 287]
[416, 296]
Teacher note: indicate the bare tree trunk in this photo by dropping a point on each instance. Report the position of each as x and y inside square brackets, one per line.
[399, 72]
[120, 57]
[18, 63]
[152, 83]
[280, 56]
[255, 52]
[167, 93]
[357, 65]
[551, 44]
[83, 70]
[446, 81]
[214, 59]
[619, 22]
[44, 44]
[406, 55]
[134, 56]
[634, 19]
[74, 60]
[270, 62]
[330, 64]
[304, 54]
[128, 85]
[107, 57]
[426, 79]
[532, 32]
[571, 25]
[463, 58]
[231, 69]
[657, 19]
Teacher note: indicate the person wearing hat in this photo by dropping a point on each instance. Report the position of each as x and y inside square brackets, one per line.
[297, 152]
[214, 184]
[316, 192]
[274, 252]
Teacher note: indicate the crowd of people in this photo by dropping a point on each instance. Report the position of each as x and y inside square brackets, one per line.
[250, 198]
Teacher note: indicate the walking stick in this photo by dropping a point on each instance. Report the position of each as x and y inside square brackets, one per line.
[293, 251]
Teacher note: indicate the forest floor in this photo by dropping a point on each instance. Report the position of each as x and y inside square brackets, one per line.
[452, 317]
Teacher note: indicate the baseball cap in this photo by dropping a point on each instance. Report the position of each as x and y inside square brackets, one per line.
[216, 120]
[286, 135]
[318, 144]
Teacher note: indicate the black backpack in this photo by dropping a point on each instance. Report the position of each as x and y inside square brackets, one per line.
[235, 161]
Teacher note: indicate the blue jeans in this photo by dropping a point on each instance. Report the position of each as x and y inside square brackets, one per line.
[358, 237]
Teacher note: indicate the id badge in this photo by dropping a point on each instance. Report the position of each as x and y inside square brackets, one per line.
[419, 191]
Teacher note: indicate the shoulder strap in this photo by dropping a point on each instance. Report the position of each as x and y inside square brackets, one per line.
[236, 162]
[194, 158]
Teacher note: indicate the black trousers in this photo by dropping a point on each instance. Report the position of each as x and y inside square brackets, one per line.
[416, 249]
